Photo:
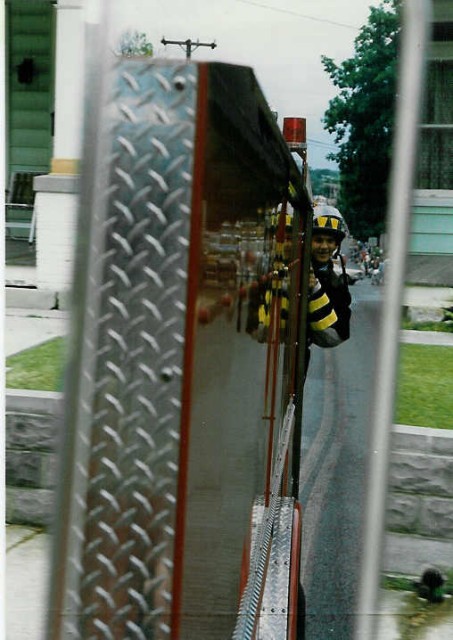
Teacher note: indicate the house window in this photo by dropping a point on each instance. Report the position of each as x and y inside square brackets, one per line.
[435, 170]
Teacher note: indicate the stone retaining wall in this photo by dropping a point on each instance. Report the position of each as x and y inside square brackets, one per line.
[421, 482]
[420, 502]
[33, 423]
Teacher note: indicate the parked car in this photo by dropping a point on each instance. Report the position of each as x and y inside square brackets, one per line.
[353, 274]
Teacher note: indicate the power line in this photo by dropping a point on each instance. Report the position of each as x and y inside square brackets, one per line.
[300, 15]
[322, 144]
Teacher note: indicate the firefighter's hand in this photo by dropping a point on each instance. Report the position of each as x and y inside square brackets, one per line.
[312, 280]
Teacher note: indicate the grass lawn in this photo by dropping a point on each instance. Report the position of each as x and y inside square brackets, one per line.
[424, 393]
[39, 368]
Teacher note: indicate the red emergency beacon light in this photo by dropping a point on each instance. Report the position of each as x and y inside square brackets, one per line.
[294, 132]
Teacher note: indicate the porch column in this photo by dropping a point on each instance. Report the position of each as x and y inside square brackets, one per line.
[56, 200]
[69, 59]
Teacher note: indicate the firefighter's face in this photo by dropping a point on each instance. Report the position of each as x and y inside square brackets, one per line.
[322, 247]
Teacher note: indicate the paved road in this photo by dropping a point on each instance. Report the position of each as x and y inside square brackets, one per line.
[338, 396]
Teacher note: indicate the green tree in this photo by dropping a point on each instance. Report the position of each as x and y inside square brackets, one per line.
[362, 119]
[134, 43]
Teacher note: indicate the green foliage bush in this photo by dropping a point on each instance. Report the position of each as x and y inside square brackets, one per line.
[134, 43]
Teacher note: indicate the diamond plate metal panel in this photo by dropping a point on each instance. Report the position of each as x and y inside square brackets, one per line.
[269, 540]
[273, 621]
[273, 615]
[121, 532]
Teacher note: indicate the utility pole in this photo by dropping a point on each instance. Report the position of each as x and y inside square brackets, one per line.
[189, 45]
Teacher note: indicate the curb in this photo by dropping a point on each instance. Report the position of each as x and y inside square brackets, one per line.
[44, 299]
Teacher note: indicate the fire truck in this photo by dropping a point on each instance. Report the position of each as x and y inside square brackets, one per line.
[178, 514]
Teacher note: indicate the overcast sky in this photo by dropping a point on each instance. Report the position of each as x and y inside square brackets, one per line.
[282, 40]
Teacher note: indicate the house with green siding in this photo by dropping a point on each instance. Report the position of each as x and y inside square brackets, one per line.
[30, 27]
[430, 259]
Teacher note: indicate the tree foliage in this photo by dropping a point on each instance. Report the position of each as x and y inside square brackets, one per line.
[134, 43]
[362, 118]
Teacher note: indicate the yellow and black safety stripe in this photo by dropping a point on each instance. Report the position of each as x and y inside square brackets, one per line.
[276, 289]
[278, 237]
[324, 323]
[289, 223]
[328, 222]
[321, 314]
[273, 222]
[318, 303]
[284, 308]
[264, 317]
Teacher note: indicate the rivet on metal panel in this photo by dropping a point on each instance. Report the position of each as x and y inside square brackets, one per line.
[179, 83]
[166, 374]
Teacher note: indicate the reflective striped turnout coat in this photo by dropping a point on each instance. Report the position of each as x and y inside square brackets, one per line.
[329, 310]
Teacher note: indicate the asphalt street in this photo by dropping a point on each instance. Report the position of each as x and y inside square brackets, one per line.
[336, 428]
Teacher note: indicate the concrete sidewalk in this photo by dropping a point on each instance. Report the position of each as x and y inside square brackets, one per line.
[30, 319]
[439, 338]
[25, 328]
[404, 616]
[26, 582]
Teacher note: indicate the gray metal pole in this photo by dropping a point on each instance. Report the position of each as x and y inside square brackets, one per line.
[416, 18]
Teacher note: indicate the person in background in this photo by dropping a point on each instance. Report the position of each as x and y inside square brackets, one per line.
[329, 301]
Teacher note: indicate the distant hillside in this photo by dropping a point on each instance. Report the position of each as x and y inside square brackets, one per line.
[324, 182]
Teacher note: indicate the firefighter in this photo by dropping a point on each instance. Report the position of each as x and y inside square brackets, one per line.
[329, 298]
